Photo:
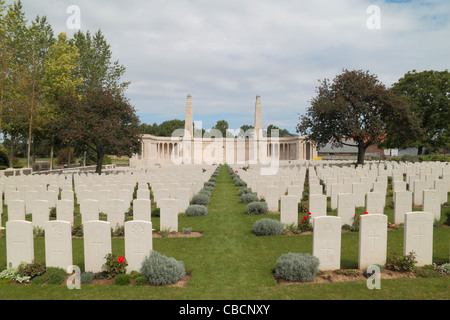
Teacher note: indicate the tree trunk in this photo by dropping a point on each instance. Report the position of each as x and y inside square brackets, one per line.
[420, 151]
[361, 154]
[100, 155]
[11, 152]
[51, 155]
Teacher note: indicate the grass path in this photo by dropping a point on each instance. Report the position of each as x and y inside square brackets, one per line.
[230, 263]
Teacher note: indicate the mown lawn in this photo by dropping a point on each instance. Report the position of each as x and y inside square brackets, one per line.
[230, 263]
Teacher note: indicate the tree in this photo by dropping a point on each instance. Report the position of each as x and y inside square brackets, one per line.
[246, 131]
[60, 77]
[428, 93]
[359, 107]
[96, 66]
[222, 126]
[281, 132]
[103, 121]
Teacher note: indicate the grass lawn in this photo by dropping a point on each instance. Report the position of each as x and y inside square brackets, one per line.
[230, 263]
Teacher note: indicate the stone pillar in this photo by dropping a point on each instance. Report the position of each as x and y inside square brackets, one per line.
[188, 124]
[258, 118]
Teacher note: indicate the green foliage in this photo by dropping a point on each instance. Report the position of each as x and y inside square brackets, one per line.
[77, 230]
[4, 161]
[200, 199]
[257, 207]
[187, 230]
[38, 232]
[209, 184]
[249, 197]
[39, 280]
[13, 274]
[162, 270]
[305, 224]
[297, 267]
[195, 210]
[208, 188]
[402, 263]
[444, 269]
[268, 227]
[244, 191]
[122, 279]
[141, 281]
[86, 277]
[205, 192]
[113, 267]
[31, 270]
[55, 275]
[156, 212]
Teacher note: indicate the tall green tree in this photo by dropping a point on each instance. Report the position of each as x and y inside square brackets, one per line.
[357, 106]
[60, 77]
[222, 126]
[428, 93]
[96, 65]
[102, 121]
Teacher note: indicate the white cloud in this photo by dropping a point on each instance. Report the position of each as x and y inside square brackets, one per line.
[224, 52]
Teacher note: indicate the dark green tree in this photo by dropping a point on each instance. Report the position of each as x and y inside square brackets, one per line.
[357, 106]
[428, 93]
[102, 121]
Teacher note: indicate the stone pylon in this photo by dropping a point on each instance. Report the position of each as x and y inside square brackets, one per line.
[258, 118]
[188, 124]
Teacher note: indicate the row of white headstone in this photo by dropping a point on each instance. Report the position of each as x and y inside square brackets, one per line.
[58, 243]
[373, 235]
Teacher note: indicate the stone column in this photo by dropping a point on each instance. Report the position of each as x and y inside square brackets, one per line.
[188, 126]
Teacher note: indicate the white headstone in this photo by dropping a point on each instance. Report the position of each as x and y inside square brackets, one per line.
[419, 186]
[97, 244]
[315, 189]
[327, 242]
[142, 209]
[19, 242]
[432, 203]
[58, 243]
[375, 203]
[403, 204]
[272, 197]
[143, 194]
[114, 213]
[138, 243]
[318, 205]
[372, 240]
[16, 210]
[65, 210]
[289, 210]
[89, 210]
[336, 189]
[67, 195]
[169, 214]
[346, 208]
[182, 195]
[418, 236]
[40, 213]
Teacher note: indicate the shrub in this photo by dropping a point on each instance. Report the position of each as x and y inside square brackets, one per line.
[201, 199]
[402, 263]
[195, 210]
[122, 279]
[187, 230]
[244, 191]
[86, 277]
[240, 183]
[38, 280]
[444, 269]
[55, 275]
[77, 230]
[447, 218]
[156, 212]
[212, 180]
[4, 160]
[208, 188]
[162, 270]
[141, 281]
[249, 197]
[297, 267]
[209, 184]
[206, 192]
[114, 265]
[305, 223]
[12, 274]
[31, 270]
[268, 227]
[257, 208]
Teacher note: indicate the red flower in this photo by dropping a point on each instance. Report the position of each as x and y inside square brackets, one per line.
[235, 172]
[366, 212]
[309, 213]
[121, 259]
[305, 218]
[302, 220]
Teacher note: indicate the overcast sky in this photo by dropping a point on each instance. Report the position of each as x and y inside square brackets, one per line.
[225, 52]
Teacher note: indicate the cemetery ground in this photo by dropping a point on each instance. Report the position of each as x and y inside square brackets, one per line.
[229, 262]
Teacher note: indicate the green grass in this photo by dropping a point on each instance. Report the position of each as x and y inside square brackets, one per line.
[230, 263]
